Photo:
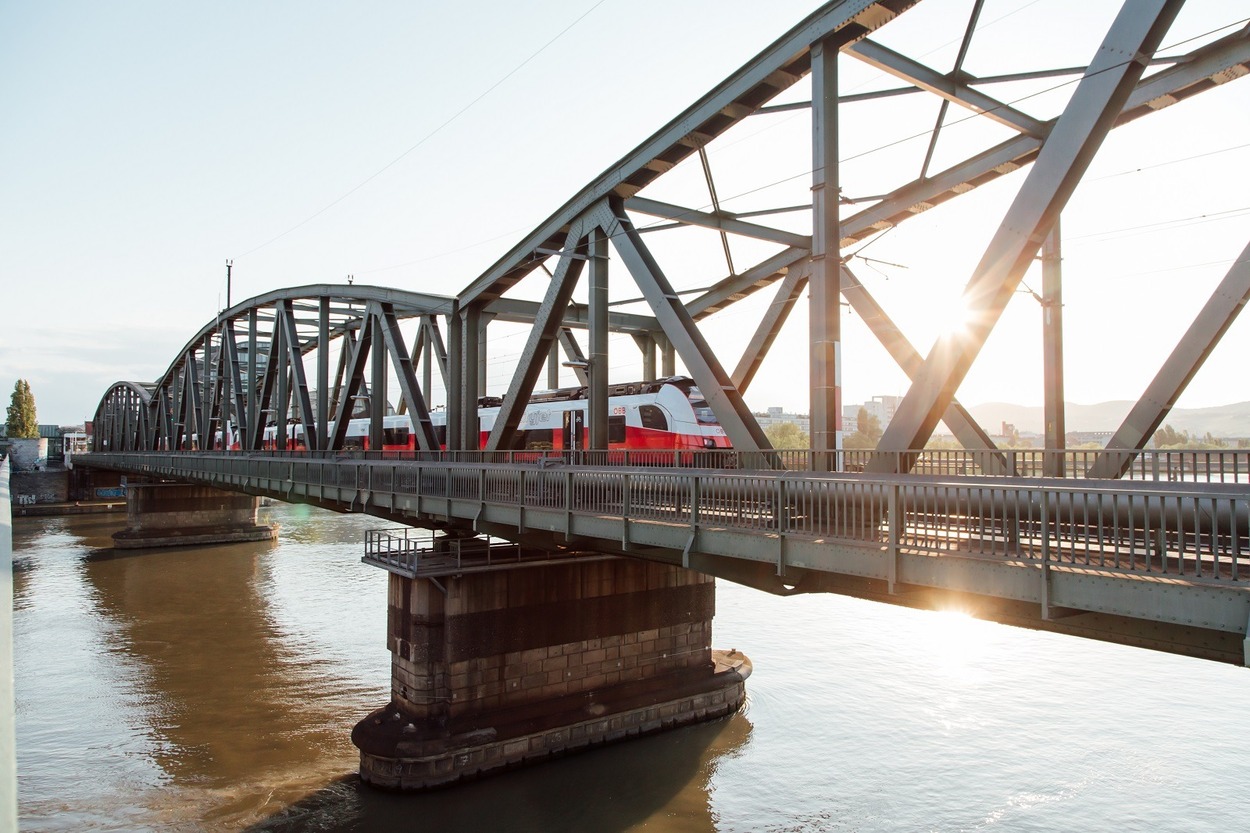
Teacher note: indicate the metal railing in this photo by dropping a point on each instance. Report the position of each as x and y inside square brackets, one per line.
[412, 551]
[1162, 465]
[1192, 530]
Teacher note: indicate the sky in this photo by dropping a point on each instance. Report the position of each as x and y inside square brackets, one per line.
[413, 144]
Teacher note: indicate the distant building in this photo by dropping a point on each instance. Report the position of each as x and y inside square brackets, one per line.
[777, 416]
[881, 407]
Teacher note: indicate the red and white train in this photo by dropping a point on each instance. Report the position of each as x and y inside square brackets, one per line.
[662, 415]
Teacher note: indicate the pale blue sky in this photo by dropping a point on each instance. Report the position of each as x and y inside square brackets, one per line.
[146, 142]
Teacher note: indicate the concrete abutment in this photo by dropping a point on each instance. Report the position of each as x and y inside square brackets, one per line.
[496, 669]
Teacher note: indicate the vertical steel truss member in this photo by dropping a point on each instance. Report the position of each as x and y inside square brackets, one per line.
[541, 337]
[323, 372]
[824, 292]
[455, 369]
[471, 323]
[598, 363]
[1065, 154]
[1216, 316]
[725, 399]
[1052, 352]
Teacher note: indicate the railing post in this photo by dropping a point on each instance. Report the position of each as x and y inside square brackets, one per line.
[894, 531]
[626, 508]
[1045, 554]
[520, 522]
[568, 505]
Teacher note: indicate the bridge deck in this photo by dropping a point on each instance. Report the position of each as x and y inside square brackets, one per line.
[1174, 554]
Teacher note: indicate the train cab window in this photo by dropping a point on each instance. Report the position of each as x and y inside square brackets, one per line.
[652, 417]
[616, 429]
[703, 412]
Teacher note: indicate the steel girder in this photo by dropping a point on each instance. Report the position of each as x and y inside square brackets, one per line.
[230, 384]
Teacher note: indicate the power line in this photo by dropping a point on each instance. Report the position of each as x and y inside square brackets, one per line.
[429, 135]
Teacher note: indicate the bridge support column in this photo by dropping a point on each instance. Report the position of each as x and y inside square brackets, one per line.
[492, 670]
[182, 514]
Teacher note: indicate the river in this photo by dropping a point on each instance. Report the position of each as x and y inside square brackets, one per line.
[213, 689]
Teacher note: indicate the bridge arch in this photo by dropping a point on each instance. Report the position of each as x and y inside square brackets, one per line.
[267, 362]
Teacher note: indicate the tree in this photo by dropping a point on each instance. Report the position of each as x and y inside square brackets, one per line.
[867, 432]
[21, 421]
[787, 435]
[1169, 437]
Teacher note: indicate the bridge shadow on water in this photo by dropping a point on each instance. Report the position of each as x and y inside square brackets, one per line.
[662, 781]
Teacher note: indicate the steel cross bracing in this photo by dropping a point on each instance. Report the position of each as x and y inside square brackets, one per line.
[270, 360]
[1112, 91]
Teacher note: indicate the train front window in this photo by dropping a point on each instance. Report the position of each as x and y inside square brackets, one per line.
[703, 412]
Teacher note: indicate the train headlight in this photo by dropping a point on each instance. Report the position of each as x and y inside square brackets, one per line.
[708, 442]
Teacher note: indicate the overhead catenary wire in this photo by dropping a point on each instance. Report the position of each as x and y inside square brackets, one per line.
[427, 136]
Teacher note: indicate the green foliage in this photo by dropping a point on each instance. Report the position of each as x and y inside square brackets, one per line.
[21, 421]
[787, 435]
[1169, 437]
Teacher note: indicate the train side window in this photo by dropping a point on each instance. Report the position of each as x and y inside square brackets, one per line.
[395, 436]
[652, 417]
[616, 429]
[535, 440]
[440, 434]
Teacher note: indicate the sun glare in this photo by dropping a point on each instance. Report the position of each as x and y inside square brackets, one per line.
[955, 642]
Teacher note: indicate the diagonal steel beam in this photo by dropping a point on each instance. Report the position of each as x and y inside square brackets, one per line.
[970, 434]
[353, 367]
[573, 352]
[1216, 316]
[725, 400]
[723, 221]
[409, 390]
[774, 317]
[1076, 137]
[736, 287]
[239, 396]
[303, 402]
[716, 211]
[541, 338]
[952, 88]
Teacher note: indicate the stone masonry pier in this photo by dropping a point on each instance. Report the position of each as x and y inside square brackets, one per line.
[496, 669]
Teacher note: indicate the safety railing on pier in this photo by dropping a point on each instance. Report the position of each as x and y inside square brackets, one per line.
[1163, 465]
[413, 552]
[1190, 530]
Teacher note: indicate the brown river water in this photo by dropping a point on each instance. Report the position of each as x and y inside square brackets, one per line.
[215, 689]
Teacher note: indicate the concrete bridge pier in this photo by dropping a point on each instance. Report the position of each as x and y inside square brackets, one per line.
[184, 514]
[496, 669]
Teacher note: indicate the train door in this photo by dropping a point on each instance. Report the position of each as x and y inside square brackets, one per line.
[574, 426]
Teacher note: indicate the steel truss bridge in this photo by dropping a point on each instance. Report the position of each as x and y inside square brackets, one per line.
[1112, 549]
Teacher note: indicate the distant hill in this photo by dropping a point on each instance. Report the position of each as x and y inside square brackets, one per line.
[1222, 421]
